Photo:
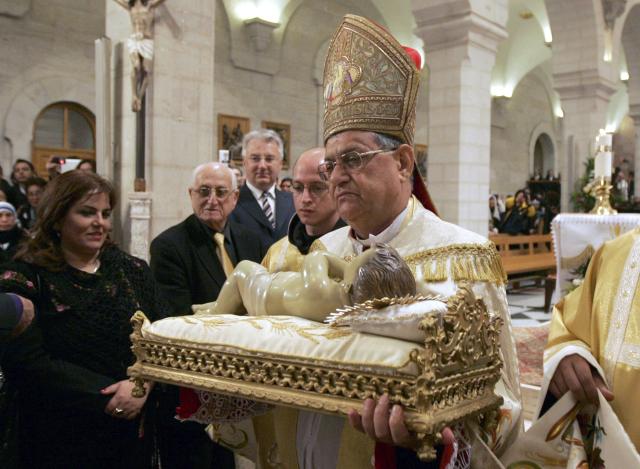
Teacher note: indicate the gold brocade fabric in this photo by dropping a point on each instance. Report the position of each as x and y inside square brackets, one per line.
[283, 257]
[440, 254]
[600, 320]
[370, 83]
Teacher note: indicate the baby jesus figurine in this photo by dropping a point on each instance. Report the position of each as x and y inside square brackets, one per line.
[325, 283]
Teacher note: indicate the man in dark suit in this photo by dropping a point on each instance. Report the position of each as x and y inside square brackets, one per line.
[190, 262]
[263, 208]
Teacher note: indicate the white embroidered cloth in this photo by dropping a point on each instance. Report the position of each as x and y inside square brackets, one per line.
[576, 236]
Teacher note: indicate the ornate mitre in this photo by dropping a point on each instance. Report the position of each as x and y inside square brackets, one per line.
[370, 82]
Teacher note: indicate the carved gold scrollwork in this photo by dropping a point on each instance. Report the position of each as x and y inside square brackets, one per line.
[458, 368]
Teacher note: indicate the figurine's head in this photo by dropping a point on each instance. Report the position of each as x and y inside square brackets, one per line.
[377, 273]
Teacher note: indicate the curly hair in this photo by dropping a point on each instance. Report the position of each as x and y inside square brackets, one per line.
[385, 274]
[42, 248]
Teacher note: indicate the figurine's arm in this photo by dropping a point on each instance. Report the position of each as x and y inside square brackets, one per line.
[316, 292]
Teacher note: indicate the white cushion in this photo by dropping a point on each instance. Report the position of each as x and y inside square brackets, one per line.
[287, 336]
[400, 321]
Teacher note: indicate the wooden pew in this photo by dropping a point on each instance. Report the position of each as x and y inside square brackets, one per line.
[525, 256]
[525, 253]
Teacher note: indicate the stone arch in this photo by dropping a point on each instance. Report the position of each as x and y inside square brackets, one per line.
[585, 40]
[33, 98]
[541, 145]
[630, 39]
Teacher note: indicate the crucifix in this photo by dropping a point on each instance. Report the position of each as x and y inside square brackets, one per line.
[140, 49]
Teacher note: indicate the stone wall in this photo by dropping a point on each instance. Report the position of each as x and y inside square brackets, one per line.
[517, 122]
[293, 95]
[46, 56]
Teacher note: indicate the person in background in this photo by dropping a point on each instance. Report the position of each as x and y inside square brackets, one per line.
[6, 191]
[190, 262]
[70, 367]
[315, 216]
[27, 213]
[10, 232]
[239, 176]
[54, 166]
[262, 208]
[494, 214]
[285, 184]
[15, 317]
[86, 165]
[22, 171]
[516, 219]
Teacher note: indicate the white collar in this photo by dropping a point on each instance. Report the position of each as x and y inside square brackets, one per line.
[257, 193]
[383, 237]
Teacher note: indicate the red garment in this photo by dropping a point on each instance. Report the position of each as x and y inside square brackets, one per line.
[189, 403]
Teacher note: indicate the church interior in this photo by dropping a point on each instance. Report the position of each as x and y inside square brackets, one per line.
[515, 95]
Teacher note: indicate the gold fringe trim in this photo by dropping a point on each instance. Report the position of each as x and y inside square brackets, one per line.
[472, 262]
[576, 261]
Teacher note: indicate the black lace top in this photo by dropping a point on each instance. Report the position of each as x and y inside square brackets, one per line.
[84, 317]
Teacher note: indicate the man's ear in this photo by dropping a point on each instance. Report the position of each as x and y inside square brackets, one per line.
[406, 160]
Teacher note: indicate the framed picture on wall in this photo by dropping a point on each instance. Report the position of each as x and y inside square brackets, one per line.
[421, 155]
[284, 130]
[231, 129]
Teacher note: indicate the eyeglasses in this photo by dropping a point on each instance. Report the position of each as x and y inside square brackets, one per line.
[350, 161]
[316, 189]
[220, 193]
[267, 159]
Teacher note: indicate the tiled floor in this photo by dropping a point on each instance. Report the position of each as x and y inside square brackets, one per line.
[526, 306]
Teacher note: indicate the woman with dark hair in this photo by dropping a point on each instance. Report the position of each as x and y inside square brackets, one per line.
[75, 403]
[22, 171]
[27, 214]
[87, 165]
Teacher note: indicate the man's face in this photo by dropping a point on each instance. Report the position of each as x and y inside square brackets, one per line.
[22, 172]
[262, 163]
[366, 197]
[212, 198]
[311, 197]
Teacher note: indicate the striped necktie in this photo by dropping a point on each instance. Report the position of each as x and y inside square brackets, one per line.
[266, 207]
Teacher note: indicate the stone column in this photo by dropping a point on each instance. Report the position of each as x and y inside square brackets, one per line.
[140, 217]
[583, 78]
[180, 117]
[104, 144]
[634, 113]
[585, 100]
[461, 39]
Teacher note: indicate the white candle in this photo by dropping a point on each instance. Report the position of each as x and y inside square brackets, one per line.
[603, 165]
[604, 139]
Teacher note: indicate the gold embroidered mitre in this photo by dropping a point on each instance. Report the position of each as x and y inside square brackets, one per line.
[370, 82]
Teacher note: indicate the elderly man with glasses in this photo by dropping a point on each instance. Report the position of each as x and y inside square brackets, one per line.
[370, 92]
[262, 207]
[190, 262]
[315, 216]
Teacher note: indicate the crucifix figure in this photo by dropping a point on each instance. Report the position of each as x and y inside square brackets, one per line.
[140, 45]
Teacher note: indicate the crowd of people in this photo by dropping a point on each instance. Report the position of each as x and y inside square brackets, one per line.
[522, 213]
[68, 292]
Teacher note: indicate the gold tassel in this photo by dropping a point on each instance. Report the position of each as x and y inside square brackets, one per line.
[473, 262]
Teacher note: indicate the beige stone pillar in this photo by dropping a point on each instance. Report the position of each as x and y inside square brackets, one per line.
[585, 100]
[461, 39]
[634, 112]
[180, 118]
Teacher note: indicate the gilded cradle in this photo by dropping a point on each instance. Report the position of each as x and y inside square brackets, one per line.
[450, 378]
